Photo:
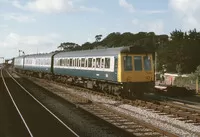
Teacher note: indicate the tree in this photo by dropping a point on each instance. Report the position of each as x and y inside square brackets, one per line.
[68, 46]
[98, 38]
[177, 35]
[183, 48]
[87, 45]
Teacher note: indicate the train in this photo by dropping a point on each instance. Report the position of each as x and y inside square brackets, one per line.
[123, 71]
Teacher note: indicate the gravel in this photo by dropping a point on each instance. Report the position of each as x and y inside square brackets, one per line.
[162, 121]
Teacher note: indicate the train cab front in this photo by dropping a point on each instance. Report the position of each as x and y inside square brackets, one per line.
[136, 73]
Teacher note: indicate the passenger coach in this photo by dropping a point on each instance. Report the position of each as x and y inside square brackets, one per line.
[123, 70]
[127, 71]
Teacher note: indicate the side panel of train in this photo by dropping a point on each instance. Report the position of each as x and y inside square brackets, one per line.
[101, 68]
[116, 70]
[38, 64]
[19, 62]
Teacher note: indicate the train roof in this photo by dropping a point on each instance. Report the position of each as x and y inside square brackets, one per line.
[93, 52]
[19, 57]
[103, 52]
[47, 55]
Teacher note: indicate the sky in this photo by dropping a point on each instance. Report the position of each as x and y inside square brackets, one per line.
[39, 26]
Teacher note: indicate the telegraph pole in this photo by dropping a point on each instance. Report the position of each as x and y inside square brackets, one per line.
[22, 52]
[155, 65]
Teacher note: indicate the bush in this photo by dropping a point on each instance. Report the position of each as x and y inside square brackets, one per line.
[188, 82]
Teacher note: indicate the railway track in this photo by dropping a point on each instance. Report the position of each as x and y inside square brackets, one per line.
[34, 119]
[185, 113]
[89, 122]
[120, 120]
[130, 124]
[146, 129]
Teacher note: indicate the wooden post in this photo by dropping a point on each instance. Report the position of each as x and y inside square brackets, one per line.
[197, 85]
[155, 67]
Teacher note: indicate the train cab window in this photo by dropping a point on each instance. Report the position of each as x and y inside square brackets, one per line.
[147, 63]
[82, 62]
[102, 63]
[98, 62]
[107, 63]
[128, 63]
[89, 62]
[138, 63]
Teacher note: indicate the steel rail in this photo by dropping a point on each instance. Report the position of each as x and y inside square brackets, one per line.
[43, 105]
[16, 105]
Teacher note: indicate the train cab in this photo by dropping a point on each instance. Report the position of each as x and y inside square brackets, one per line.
[136, 72]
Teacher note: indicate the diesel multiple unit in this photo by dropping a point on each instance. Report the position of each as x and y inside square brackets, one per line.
[125, 71]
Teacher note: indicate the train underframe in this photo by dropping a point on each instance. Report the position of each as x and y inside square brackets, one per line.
[125, 90]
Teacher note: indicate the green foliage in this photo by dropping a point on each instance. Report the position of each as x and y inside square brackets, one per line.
[188, 82]
[147, 39]
[197, 72]
[98, 38]
[69, 46]
[179, 52]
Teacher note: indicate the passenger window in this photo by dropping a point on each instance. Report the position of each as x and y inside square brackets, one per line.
[102, 63]
[138, 63]
[70, 62]
[107, 63]
[93, 63]
[82, 62]
[60, 62]
[128, 63]
[79, 62]
[89, 62]
[98, 62]
[86, 63]
[63, 62]
[73, 63]
[147, 63]
[76, 62]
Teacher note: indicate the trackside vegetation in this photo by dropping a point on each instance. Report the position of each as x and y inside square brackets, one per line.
[179, 52]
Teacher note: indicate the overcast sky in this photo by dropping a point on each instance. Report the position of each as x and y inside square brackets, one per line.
[41, 25]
